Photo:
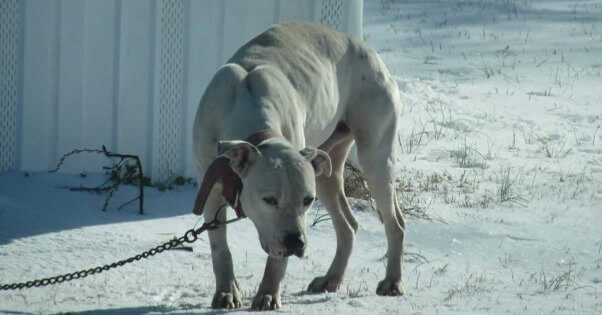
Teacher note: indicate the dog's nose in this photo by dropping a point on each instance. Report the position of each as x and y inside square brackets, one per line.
[294, 244]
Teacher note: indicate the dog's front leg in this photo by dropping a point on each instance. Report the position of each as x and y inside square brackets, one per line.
[268, 295]
[227, 292]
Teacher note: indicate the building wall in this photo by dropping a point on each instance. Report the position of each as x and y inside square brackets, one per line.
[10, 60]
[125, 74]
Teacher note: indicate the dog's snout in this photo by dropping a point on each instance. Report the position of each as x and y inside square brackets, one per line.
[294, 244]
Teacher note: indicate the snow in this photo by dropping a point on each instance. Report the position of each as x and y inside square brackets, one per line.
[497, 94]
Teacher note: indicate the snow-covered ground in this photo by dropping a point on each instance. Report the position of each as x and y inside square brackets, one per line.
[501, 146]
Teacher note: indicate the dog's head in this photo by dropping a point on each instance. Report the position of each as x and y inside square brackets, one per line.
[279, 187]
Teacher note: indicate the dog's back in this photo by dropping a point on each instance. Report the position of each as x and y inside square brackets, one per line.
[302, 41]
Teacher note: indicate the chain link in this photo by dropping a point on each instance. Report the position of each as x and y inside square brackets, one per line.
[189, 237]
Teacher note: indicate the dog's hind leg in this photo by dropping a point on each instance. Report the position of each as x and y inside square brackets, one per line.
[376, 155]
[227, 293]
[330, 192]
[399, 214]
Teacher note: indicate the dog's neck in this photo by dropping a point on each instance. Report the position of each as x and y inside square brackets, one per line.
[258, 108]
[259, 137]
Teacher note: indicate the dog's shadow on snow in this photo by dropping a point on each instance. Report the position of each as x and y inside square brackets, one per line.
[38, 203]
[191, 309]
[194, 309]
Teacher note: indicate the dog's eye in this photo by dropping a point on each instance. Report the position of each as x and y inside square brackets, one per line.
[308, 200]
[270, 200]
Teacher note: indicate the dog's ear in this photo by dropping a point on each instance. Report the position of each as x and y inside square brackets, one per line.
[319, 160]
[240, 153]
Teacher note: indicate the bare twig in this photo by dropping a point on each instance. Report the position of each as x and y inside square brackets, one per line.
[114, 173]
[140, 175]
[76, 151]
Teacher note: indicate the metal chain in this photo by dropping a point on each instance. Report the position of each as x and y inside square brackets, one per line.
[189, 237]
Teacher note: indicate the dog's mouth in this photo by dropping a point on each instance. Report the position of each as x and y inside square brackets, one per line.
[299, 252]
[280, 252]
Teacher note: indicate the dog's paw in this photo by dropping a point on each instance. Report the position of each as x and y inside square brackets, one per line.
[324, 284]
[266, 302]
[228, 299]
[390, 287]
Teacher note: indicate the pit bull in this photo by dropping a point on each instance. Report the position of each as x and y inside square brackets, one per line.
[272, 132]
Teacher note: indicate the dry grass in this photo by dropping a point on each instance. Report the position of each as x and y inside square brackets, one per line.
[356, 187]
[508, 178]
[473, 285]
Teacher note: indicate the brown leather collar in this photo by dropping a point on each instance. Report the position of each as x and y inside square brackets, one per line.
[231, 182]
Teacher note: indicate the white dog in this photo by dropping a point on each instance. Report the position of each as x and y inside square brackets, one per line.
[300, 94]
